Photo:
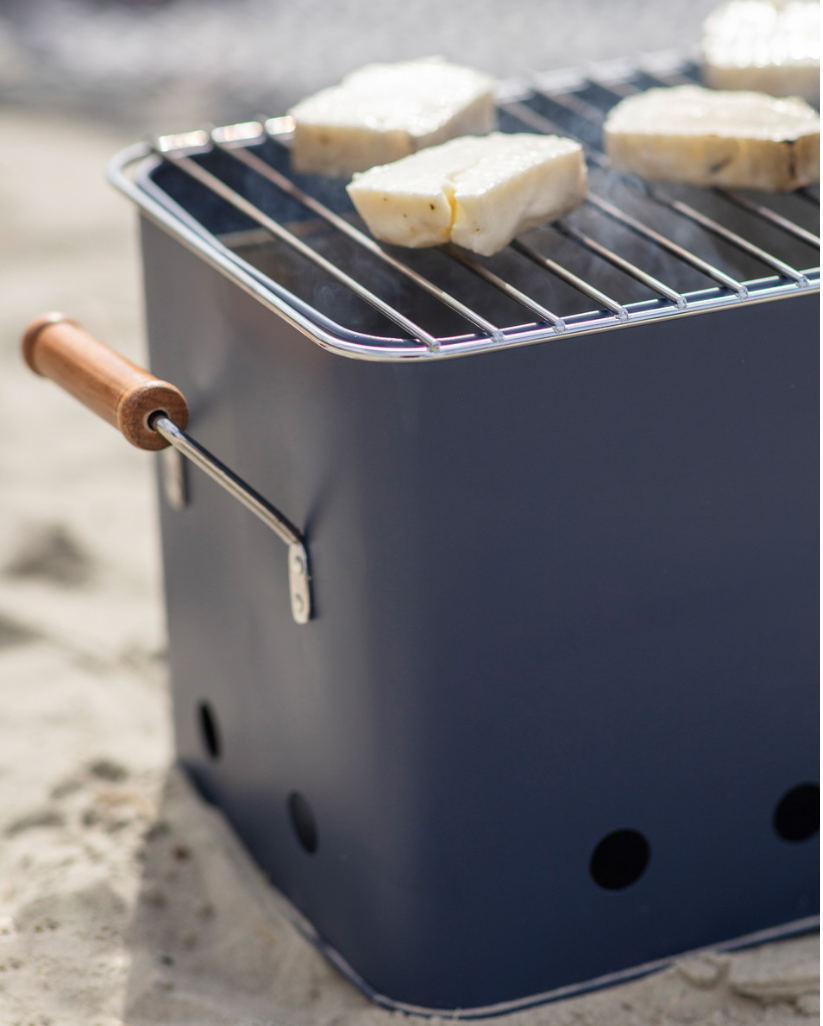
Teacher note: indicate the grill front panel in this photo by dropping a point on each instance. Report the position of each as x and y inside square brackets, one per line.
[562, 591]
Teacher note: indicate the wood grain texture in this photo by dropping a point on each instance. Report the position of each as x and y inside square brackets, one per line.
[107, 383]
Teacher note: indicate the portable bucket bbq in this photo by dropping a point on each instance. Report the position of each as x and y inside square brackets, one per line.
[527, 701]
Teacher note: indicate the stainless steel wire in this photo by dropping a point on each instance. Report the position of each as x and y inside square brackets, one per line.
[809, 196]
[624, 89]
[285, 184]
[593, 246]
[219, 187]
[572, 279]
[238, 142]
[669, 79]
[686, 255]
[765, 214]
[544, 124]
[540, 311]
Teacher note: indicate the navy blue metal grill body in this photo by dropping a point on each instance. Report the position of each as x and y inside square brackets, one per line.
[562, 669]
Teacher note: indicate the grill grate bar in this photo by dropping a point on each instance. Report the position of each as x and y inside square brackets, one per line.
[505, 287]
[575, 98]
[771, 216]
[575, 104]
[620, 311]
[665, 78]
[686, 255]
[587, 242]
[212, 182]
[732, 237]
[258, 165]
[669, 78]
[623, 89]
[629, 89]
[543, 124]
[595, 115]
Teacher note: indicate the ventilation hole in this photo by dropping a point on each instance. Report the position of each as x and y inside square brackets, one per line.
[619, 860]
[303, 821]
[209, 733]
[797, 816]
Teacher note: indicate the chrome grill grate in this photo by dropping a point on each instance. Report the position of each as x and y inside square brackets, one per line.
[637, 252]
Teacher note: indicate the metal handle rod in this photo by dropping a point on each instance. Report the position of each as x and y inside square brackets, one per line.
[215, 185]
[505, 287]
[219, 472]
[251, 160]
[298, 566]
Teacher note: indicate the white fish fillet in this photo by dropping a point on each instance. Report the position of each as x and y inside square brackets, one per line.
[702, 137]
[476, 192]
[764, 46]
[383, 112]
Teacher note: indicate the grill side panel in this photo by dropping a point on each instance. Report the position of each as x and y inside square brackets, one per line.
[561, 591]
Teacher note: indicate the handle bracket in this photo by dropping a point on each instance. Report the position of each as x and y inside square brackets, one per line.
[299, 574]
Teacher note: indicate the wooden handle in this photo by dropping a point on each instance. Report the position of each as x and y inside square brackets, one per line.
[113, 387]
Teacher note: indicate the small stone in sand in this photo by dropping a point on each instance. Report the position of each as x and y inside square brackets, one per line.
[107, 769]
[703, 971]
[51, 553]
[40, 818]
[808, 1004]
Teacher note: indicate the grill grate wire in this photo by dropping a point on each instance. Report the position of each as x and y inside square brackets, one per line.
[237, 141]
[620, 91]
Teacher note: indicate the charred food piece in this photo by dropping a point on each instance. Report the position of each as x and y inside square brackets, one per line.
[383, 112]
[766, 46]
[701, 137]
[478, 193]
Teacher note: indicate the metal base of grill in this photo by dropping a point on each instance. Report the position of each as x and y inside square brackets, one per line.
[562, 591]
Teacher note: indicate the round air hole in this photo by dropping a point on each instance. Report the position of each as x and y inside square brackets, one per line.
[797, 816]
[620, 859]
[209, 731]
[303, 821]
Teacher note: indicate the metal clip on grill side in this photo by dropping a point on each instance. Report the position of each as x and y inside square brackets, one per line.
[151, 414]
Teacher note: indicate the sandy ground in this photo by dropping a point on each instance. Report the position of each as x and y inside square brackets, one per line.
[123, 898]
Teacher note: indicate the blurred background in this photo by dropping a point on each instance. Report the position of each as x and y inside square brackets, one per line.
[155, 62]
[89, 843]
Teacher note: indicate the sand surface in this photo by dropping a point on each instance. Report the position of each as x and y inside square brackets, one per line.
[123, 898]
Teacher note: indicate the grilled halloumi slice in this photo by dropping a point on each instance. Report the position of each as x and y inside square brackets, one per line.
[764, 45]
[476, 192]
[383, 112]
[702, 137]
